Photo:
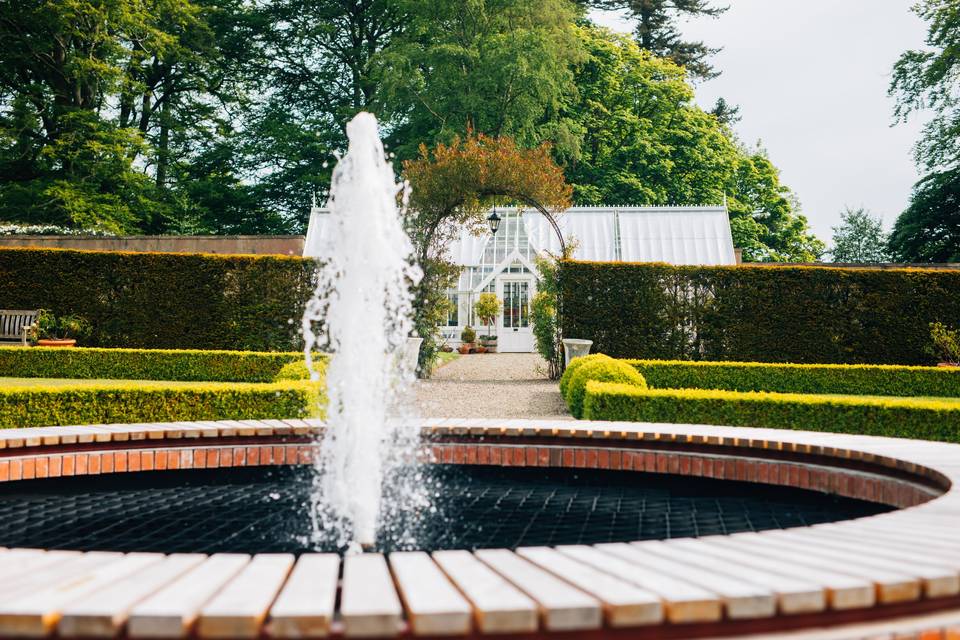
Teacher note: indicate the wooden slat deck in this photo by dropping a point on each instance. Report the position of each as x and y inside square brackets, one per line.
[898, 559]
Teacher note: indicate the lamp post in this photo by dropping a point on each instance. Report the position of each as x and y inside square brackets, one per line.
[494, 222]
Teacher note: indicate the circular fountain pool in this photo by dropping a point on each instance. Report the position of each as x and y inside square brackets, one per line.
[253, 510]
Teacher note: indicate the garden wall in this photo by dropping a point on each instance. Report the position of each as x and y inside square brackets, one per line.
[764, 314]
[165, 300]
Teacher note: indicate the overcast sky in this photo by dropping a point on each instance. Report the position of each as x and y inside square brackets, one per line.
[811, 79]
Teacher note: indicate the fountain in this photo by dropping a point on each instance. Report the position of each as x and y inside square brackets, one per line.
[363, 300]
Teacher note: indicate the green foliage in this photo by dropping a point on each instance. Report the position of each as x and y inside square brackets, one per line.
[658, 31]
[498, 67]
[297, 370]
[468, 335]
[50, 327]
[859, 238]
[929, 230]
[543, 314]
[165, 300]
[867, 380]
[600, 369]
[765, 314]
[926, 81]
[894, 417]
[150, 364]
[487, 307]
[643, 140]
[946, 343]
[154, 402]
[574, 365]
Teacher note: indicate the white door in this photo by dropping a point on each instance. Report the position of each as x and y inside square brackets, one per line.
[514, 330]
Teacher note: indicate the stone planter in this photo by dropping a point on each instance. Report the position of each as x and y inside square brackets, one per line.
[574, 348]
[411, 353]
[57, 342]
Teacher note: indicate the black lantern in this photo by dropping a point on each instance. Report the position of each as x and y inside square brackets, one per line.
[494, 222]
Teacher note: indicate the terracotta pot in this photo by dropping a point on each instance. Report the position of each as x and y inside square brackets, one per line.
[465, 348]
[481, 349]
[50, 342]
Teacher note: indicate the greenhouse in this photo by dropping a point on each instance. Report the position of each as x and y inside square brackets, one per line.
[504, 263]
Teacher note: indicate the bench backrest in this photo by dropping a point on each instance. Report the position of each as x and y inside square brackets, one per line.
[12, 322]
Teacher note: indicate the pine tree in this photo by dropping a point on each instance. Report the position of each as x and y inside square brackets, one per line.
[657, 30]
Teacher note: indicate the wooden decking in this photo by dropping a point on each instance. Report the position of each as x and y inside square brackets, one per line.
[894, 572]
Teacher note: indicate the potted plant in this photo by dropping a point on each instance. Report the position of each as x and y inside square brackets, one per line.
[946, 344]
[64, 331]
[467, 338]
[487, 308]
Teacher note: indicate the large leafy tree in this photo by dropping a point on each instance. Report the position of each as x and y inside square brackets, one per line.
[929, 80]
[497, 67]
[63, 162]
[859, 238]
[929, 230]
[657, 30]
[644, 141]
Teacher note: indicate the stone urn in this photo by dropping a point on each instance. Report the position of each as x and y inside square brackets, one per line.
[574, 348]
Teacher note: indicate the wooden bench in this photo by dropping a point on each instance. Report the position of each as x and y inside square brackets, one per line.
[15, 326]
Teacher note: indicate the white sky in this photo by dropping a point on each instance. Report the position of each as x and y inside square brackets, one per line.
[811, 78]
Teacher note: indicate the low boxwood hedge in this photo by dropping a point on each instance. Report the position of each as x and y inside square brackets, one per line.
[895, 417]
[600, 368]
[155, 402]
[877, 380]
[146, 364]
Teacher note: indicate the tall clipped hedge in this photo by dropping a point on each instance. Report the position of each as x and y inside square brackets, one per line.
[751, 313]
[164, 300]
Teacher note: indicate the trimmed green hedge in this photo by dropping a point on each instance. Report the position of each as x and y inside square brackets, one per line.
[165, 300]
[146, 364]
[896, 417]
[138, 402]
[754, 313]
[601, 368]
[877, 380]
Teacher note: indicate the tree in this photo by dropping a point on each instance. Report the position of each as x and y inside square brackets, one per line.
[452, 187]
[487, 308]
[645, 141]
[497, 67]
[927, 80]
[859, 238]
[657, 30]
[929, 230]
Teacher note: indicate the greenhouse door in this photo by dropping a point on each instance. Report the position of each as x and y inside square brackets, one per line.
[515, 333]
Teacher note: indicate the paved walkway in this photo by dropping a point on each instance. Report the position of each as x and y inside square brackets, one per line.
[491, 385]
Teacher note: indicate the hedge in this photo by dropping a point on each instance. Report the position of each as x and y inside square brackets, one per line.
[877, 380]
[753, 313]
[896, 417]
[165, 300]
[602, 369]
[137, 402]
[146, 364]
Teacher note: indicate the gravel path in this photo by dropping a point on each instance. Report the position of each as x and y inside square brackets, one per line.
[491, 385]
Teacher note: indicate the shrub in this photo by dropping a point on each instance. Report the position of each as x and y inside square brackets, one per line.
[603, 370]
[878, 380]
[144, 364]
[164, 300]
[156, 402]
[757, 313]
[574, 365]
[893, 417]
[297, 370]
[468, 335]
[487, 308]
[946, 343]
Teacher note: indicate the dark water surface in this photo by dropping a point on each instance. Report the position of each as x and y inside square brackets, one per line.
[264, 509]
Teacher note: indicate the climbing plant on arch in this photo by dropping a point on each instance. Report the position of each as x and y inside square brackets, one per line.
[453, 186]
